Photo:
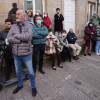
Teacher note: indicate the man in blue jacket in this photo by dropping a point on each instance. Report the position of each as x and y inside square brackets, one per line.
[71, 37]
[39, 40]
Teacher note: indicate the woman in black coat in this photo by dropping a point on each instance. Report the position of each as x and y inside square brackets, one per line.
[58, 25]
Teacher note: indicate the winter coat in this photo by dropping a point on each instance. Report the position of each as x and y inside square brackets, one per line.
[21, 39]
[98, 33]
[12, 15]
[71, 37]
[51, 42]
[58, 25]
[95, 20]
[8, 49]
[39, 34]
[47, 22]
[88, 30]
[29, 19]
[62, 42]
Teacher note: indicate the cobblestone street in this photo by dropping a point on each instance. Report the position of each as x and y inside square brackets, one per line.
[78, 80]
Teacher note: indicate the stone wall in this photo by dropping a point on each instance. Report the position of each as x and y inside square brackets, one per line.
[51, 6]
[5, 6]
[81, 18]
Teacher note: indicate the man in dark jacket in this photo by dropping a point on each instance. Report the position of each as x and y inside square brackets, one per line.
[71, 37]
[58, 25]
[12, 13]
[7, 54]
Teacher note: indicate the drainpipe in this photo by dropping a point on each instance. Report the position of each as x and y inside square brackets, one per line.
[98, 4]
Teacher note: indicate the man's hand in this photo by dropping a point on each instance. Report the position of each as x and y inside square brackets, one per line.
[32, 23]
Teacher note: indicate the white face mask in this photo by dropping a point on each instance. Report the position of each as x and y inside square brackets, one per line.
[91, 25]
[50, 33]
[64, 34]
[37, 13]
[18, 20]
[45, 15]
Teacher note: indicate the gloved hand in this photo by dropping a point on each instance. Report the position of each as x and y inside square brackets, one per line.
[6, 41]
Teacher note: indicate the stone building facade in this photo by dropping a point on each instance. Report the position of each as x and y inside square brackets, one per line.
[76, 12]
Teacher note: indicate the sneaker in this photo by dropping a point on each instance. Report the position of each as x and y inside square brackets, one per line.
[54, 68]
[97, 54]
[17, 89]
[60, 66]
[41, 71]
[34, 92]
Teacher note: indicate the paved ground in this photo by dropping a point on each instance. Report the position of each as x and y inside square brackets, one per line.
[78, 80]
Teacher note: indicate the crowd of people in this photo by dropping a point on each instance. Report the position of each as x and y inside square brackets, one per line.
[22, 31]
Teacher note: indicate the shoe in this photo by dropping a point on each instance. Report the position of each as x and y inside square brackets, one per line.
[85, 55]
[77, 57]
[60, 66]
[27, 75]
[34, 92]
[97, 54]
[89, 54]
[17, 89]
[0, 87]
[41, 71]
[54, 68]
[74, 57]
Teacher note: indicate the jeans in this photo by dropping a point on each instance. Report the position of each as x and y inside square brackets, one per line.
[97, 48]
[38, 50]
[28, 64]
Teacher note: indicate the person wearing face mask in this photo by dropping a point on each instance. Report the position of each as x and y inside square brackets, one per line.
[64, 46]
[95, 19]
[47, 21]
[39, 40]
[37, 14]
[51, 49]
[89, 30]
[58, 22]
[8, 53]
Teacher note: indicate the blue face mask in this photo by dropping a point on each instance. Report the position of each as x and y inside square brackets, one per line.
[38, 22]
[58, 15]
